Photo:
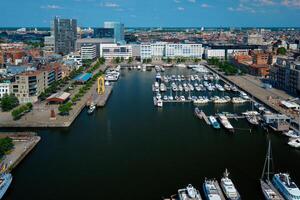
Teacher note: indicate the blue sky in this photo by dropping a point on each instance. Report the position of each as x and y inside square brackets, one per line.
[137, 13]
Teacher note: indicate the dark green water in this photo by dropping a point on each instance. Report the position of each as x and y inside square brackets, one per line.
[132, 150]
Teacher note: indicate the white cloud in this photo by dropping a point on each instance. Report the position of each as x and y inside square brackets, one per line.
[177, 1]
[192, 1]
[205, 5]
[52, 7]
[109, 5]
[180, 8]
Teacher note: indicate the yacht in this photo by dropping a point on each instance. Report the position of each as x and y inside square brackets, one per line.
[182, 98]
[155, 87]
[170, 98]
[244, 95]
[252, 119]
[180, 88]
[139, 67]
[233, 88]
[159, 103]
[5, 181]
[112, 76]
[158, 77]
[238, 100]
[165, 98]
[201, 100]
[189, 193]
[294, 142]
[212, 190]
[225, 122]
[292, 134]
[227, 87]
[163, 87]
[91, 109]
[268, 189]
[214, 122]
[198, 112]
[288, 189]
[228, 187]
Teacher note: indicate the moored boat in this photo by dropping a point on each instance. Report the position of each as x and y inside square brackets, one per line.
[91, 109]
[228, 187]
[189, 193]
[225, 122]
[214, 122]
[294, 142]
[5, 181]
[269, 191]
[212, 190]
[285, 185]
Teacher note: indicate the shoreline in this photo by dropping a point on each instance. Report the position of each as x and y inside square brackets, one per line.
[24, 143]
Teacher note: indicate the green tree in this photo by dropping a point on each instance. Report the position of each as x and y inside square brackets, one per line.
[130, 60]
[281, 51]
[64, 109]
[9, 102]
[6, 144]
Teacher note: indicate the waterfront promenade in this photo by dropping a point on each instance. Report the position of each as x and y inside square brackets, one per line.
[40, 116]
[23, 144]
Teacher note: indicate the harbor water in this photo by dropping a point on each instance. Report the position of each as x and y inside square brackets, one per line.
[132, 150]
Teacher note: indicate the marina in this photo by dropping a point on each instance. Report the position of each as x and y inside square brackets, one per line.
[144, 155]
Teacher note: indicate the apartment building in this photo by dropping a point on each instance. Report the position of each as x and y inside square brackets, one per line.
[4, 88]
[29, 85]
[285, 75]
[88, 52]
[214, 53]
[157, 51]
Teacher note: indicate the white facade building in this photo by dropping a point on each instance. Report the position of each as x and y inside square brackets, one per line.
[74, 57]
[214, 53]
[4, 89]
[184, 50]
[163, 49]
[111, 51]
[88, 52]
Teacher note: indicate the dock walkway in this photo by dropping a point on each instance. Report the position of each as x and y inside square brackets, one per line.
[100, 100]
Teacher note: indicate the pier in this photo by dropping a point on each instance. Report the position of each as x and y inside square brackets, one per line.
[23, 145]
[100, 100]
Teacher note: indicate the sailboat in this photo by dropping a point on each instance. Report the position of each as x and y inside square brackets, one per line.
[269, 191]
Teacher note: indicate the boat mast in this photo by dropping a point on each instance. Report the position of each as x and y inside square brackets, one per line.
[267, 163]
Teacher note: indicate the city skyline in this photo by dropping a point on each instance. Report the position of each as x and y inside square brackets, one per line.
[133, 13]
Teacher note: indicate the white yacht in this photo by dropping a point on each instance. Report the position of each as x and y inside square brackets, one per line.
[294, 142]
[228, 187]
[292, 134]
[159, 103]
[225, 122]
[5, 181]
[189, 193]
[163, 87]
[212, 190]
[238, 100]
[91, 109]
[244, 95]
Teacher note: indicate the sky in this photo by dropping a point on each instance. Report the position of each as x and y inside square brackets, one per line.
[153, 13]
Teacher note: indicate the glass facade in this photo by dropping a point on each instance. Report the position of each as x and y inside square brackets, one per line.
[118, 30]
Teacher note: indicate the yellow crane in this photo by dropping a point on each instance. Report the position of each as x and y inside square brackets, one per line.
[101, 85]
